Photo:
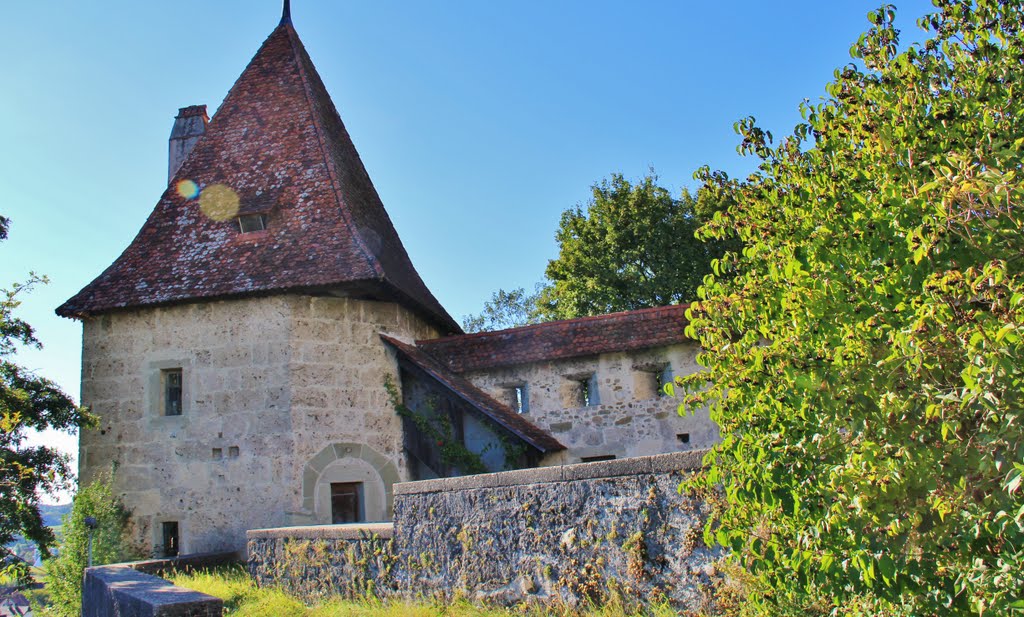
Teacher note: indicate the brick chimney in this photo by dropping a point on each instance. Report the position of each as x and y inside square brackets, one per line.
[189, 126]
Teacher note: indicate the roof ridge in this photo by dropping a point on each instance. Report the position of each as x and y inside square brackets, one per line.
[296, 44]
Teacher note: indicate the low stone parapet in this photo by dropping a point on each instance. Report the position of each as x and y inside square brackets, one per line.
[570, 534]
[187, 563]
[315, 562]
[121, 591]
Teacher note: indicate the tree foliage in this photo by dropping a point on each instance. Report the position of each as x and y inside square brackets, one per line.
[109, 544]
[865, 350]
[632, 246]
[506, 309]
[28, 401]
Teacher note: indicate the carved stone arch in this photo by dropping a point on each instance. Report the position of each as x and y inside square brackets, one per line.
[358, 461]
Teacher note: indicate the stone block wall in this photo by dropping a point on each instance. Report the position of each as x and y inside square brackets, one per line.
[281, 396]
[208, 467]
[344, 426]
[317, 562]
[633, 418]
[568, 534]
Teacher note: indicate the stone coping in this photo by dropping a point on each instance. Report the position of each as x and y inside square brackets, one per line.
[658, 463]
[349, 531]
[127, 591]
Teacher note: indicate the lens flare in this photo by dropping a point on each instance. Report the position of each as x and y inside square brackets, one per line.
[219, 202]
[187, 189]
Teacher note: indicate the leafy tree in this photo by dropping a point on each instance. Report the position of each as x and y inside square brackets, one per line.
[865, 350]
[28, 401]
[631, 247]
[505, 309]
[109, 544]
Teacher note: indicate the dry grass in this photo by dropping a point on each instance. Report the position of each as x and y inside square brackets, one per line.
[242, 598]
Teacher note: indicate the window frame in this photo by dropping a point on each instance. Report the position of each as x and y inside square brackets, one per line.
[170, 534]
[155, 388]
[590, 394]
[172, 391]
[519, 398]
[259, 217]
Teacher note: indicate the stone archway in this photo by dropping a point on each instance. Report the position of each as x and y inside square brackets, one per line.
[350, 462]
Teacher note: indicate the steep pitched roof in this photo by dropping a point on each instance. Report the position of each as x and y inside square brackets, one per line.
[558, 340]
[483, 402]
[278, 143]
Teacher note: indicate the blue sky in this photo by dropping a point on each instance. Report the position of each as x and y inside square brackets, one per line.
[479, 122]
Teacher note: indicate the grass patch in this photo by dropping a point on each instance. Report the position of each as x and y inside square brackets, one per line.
[242, 598]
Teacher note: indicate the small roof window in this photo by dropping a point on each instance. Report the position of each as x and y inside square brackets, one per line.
[252, 222]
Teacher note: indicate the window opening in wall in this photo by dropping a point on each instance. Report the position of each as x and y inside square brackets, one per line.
[662, 378]
[683, 437]
[596, 459]
[588, 392]
[171, 380]
[233, 452]
[252, 222]
[218, 454]
[345, 502]
[171, 539]
[520, 399]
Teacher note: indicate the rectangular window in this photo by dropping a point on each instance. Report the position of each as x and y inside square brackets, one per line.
[252, 222]
[662, 378]
[171, 539]
[588, 392]
[596, 459]
[683, 437]
[345, 502]
[520, 399]
[171, 380]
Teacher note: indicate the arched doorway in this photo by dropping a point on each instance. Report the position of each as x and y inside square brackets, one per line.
[349, 482]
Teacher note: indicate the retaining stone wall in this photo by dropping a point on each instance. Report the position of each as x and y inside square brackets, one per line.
[569, 534]
[317, 562]
[134, 589]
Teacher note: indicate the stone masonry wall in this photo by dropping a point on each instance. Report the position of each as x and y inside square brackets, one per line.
[633, 418]
[338, 370]
[220, 467]
[318, 562]
[567, 534]
[271, 386]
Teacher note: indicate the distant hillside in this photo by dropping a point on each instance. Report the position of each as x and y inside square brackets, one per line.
[52, 515]
[51, 518]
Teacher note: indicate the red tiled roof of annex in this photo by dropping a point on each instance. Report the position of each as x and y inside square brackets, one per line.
[556, 340]
[279, 145]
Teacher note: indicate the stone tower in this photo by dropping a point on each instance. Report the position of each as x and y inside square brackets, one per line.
[233, 351]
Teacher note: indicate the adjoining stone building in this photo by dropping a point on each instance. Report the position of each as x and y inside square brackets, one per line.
[264, 353]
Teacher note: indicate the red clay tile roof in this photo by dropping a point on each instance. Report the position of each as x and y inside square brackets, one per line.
[278, 143]
[557, 340]
[462, 388]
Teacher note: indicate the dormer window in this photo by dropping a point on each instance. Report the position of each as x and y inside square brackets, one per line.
[252, 222]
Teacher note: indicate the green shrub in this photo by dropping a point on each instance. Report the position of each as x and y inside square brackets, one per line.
[109, 544]
[865, 349]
